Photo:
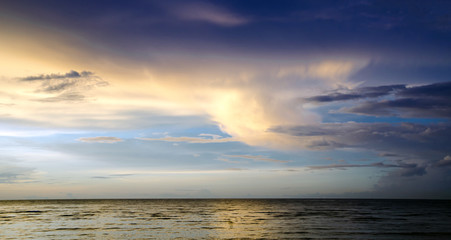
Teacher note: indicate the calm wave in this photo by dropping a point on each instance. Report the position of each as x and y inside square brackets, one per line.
[225, 219]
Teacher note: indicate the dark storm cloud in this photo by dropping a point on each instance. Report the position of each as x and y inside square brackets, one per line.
[435, 183]
[414, 171]
[426, 101]
[437, 90]
[424, 145]
[406, 107]
[418, 154]
[359, 93]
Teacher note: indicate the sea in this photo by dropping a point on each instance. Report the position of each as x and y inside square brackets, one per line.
[225, 219]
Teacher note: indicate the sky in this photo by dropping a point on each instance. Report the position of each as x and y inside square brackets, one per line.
[225, 99]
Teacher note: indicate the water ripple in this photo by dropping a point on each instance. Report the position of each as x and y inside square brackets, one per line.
[225, 219]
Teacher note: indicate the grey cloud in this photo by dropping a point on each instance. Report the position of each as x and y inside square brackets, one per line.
[325, 144]
[345, 166]
[100, 139]
[122, 175]
[413, 171]
[334, 97]
[101, 177]
[385, 154]
[445, 162]
[71, 74]
[65, 97]
[14, 174]
[417, 155]
[114, 176]
[70, 87]
[433, 100]
[257, 158]
[424, 145]
[405, 107]
[436, 183]
[359, 93]
[58, 87]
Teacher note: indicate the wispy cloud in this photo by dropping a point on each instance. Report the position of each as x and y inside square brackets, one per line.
[406, 170]
[64, 97]
[15, 174]
[228, 160]
[236, 169]
[257, 158]
[209, 13]
[120, 175]
[215, 139]
[100, 139]
[345, 166]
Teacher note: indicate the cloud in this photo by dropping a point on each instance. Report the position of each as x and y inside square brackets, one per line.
[414, 153]
[406, 107]
[209, 13]
[345, 166]
[386, 154]
[69, 87]
[406, 170]
[359, 93]
[64, 97]
[100, 139]
[257, 158]
[331, 71]
[120, 175]
[426, 101]
[71, 74]
[215, 139]
[413, 171]
[101, 177]
[15, 174]
[214, 136]
[431, 184]
[228, 160]
[236, 169]
[58, 87]
[445, 162]
[419, 144]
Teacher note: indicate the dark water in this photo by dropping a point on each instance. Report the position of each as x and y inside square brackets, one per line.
[225, 219]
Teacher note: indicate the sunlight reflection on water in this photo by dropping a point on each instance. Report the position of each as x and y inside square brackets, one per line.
[225, 219]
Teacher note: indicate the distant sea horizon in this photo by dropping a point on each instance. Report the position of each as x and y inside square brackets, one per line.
[224, 198]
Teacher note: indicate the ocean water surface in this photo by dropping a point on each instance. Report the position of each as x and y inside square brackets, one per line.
[225, 219]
